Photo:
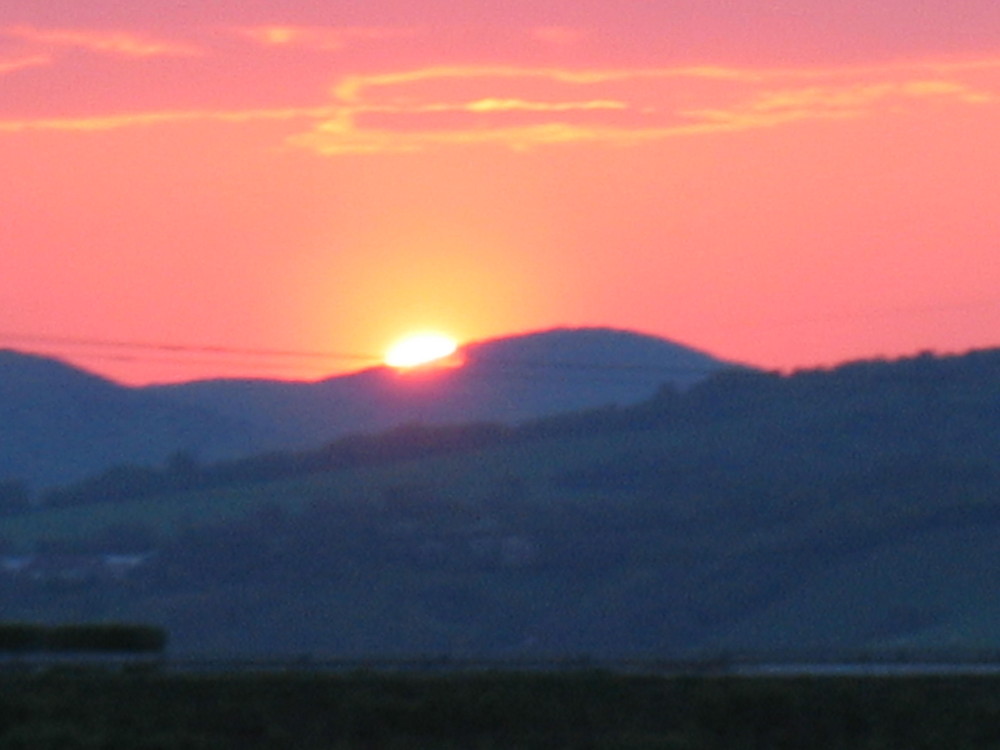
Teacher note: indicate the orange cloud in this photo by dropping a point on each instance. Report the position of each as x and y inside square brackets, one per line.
[351, 87]
[120, 43]
[12, 66]
[654, 103]
[527, 107]
[319, 37]
[509, 105]
[145, 119]
[832, 102]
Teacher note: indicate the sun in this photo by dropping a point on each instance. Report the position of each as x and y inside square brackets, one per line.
[419, 349]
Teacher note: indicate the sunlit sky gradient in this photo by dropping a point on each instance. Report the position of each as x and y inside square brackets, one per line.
[785, 183]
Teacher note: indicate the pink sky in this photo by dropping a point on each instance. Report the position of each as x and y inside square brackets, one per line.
[782, 183]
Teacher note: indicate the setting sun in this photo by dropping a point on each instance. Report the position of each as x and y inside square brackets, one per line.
[420, 349]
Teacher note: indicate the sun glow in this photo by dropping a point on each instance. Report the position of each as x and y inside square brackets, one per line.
[419, 349]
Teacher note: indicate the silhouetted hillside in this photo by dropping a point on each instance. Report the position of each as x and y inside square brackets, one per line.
[59, 423]
[853, 510]
[503, 380]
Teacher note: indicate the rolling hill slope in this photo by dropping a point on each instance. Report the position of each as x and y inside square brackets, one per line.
[844, 511]
[504, 380]
[59, 424]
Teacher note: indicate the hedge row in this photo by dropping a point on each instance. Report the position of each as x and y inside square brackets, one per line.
[105, 638]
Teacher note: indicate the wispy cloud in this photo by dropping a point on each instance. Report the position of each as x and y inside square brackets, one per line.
[775, 107]
[351, 88]
[118, 43]
[320, 37]
[21, 63]
[387, 112]
[532, 107]
[146, 119]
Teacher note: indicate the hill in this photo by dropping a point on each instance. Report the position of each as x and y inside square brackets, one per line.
[847, 510]
[59, 424]
[507, 380]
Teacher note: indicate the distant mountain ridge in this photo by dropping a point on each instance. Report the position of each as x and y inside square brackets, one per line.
[850, 512]
[59, 423]
[507, 379]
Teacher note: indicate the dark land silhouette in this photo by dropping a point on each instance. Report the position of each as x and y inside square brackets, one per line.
[59, 424]
[851, 510]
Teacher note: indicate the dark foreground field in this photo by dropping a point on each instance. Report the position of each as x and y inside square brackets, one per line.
[89, 709]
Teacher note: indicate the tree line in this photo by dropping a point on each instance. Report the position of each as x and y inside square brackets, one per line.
[19, 637]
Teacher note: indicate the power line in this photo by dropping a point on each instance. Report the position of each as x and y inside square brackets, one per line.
[126, 358]
[607, 366]
[180, 348]
[177, 354]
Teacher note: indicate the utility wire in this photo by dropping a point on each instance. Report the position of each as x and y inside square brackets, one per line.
[179, 348]
[160, 352]
[246, 366]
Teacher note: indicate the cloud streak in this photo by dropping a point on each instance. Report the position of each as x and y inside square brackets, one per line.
[522, 107]
[149, 119]
[832, 102]
[116, 43]
[388, 112]
[33, 61]
[321, 38]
